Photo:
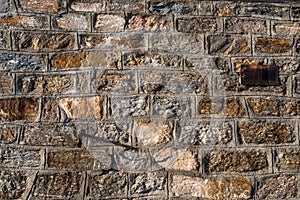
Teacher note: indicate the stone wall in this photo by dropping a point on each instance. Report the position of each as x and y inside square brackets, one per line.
[142, 99]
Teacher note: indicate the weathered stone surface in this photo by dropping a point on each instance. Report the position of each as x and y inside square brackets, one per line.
[58, 185]
[109, 23]
[288, 65]
[150, 134]
[176, 7]
[175, 159]
[114, 82]
[50, 109]
[50, 135]
[83, 107]
[107, 184]
[6, 83]
[245, 26]
[4, 40]
[197, 132]
[46, 84]
[176, 42]
[295, 12]
[273, 45]
[228, 45]
[19, 109]
[264, 106]
[260, 132]
[263, 10]
[4, 6]
[298, 46]
[72, 21]
[85, 59]
[289, 108]
[43, 41]
[148, 184]
[136, 106]
[277, 187]
[88, 6]
[12, 184]
[297, 85]
[70, 159]
[196, 25]
[287, 28]
[22, 62]
[49, 6]
[288, 159]
[9, 134]
[221, 188]
[236, 161]
[26, 22]
[116, 41]
[149, 23]
[127, 6]
[12, 157]
[225, 8]
[234, 107]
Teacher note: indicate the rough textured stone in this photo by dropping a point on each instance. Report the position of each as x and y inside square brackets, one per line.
[43, 41]
[50, 135]
[176, 7]
[19, 109]
[113, 41]
[50, 109]
[235, 161]
[149, 134]
[6, 83]
[4, 6]
[295, 12]
[264, 106]
[109, 23]
[149, 23]
[9, 134]
[277, 187]
[148, 184]
[26, 22]
[245, 26]
[273, 45]
[221, 188]
[58, 185]
[22, 62]
[72, 22]
[127, 6]
[4, 40]
[288, 159]
[234, 108]
[98, 186]
[228, 45]
[260, 132]
[288, 65]
[289, 108]
[197, 132]
[12, 184]
[298, 46]
[87, 6]
[82, 108]
[175, 159]
[196, 25]
[287, 28]
[181, 42]
[20, 158]
[51, 6]
[70, 159]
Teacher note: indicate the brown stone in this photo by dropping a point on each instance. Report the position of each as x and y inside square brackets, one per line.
[208, 106]
[87, 6]
[51, 6]
[83, 107]
[19, 109]
[234, 108]
[13, 184]
[245, 26]
[196, 25]
[4, 40]
[26, 22]
[8, 134]
[149, 23]
[70, 159]
[235, 161]
[228, 45]
[289, 108]
[263, 106]
[287, 28]
[259, 132]
[209, 188]
[288, 159]
[50, 109]
[72, 22]
[127, 6]
[43, 41]
[273, 45]
[109, 23]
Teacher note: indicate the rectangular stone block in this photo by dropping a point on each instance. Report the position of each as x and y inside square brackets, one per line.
[58, 185]
[70, 159]
[150, 23]
[295, 12]
[287, 159]
[209, 188]
[5, 5]
[267, 45]
[12, 61]
[9, 134]
[236, 161]
[176, 42]
[286, 64]
[50, 109]
[6, 83]
[228, 45]
[12, 157]
[197, 25]
[71, 21]
[116, 41]
[266, 132]
[47, 134]
[4, 40]
[43, 41]
[127, 6]
[286, 28]
[13, 184]
[109, 23]
[19, 109]
[176, 7]
[48, 6]
[264, 106]
[24, 22]
[245, 26]
[88, 6]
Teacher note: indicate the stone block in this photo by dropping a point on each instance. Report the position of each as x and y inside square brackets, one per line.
[287, 159]
[245, 26]
[4, 40]
[5, 5]
[267, 45]
[88, 6]
[295, 12]
[176, 7]
[6, 84]
[228, 45]
[126, 6]
[48, 6]
[24, 22]
[286, 28]
[71, 21]
[50, 109]
[10, 61]
[149, 23]
[264, 106]
[9, 134]
[13, 184]
[109, 23]
[196, 25]
[235, 108]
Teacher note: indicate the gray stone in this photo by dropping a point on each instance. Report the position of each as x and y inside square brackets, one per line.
[4, 6]
[12, 184]
[22, 62]
[4, 40]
